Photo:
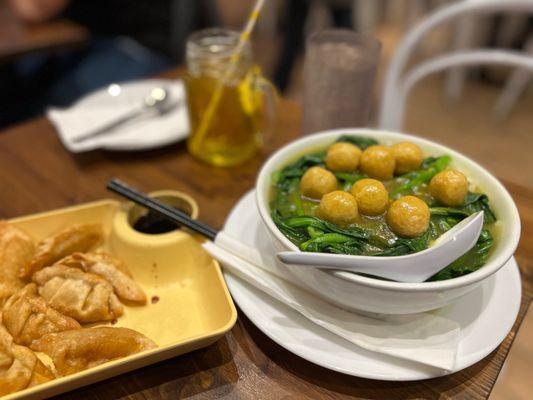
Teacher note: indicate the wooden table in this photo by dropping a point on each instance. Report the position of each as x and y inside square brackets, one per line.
[37, 174]
[18, 38]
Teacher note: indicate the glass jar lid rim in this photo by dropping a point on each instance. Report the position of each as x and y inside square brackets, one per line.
[204, 42]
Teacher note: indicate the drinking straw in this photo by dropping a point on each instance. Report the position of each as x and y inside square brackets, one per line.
[214, 101]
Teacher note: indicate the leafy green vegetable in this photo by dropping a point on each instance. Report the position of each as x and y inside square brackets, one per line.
[344, 247]
[456, 212]
[347, 179]
[325, 226]
[428, 162]
[298, 168]
[412, 180]
[350, 177]
[315, 234]
[444, 218]
[326, 238]
[474, 202]
[403, 246]
[297, 236]
[471, 261]
[479, 202]
[287, 199]
[360, 141]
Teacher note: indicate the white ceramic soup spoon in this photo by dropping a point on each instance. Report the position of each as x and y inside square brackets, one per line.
[416, 267]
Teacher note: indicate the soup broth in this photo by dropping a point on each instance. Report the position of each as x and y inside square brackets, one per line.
[300, 219]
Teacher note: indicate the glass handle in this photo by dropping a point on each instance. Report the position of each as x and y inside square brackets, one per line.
[267, 107]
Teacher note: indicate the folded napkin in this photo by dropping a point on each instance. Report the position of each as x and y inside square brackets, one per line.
[102, 107]
[424, 338]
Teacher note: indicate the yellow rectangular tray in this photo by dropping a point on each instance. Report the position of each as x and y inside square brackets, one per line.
[194, 308]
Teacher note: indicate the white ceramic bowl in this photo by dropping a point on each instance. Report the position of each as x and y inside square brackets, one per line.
[357, 292]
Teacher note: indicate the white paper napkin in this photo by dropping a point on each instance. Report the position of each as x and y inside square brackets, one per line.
[425, 338]
[100, 108]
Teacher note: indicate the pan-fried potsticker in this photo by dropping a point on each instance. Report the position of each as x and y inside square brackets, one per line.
[19, 366]
[81, 295]
[27, 317]
[77, 350]
[111, 269]
[82, 237]
[16, 252]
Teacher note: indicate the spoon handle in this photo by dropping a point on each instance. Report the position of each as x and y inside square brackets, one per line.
[375, 266]
[109, 126]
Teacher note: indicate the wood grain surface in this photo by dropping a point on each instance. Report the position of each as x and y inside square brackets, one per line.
[18, 38]
[38, 174]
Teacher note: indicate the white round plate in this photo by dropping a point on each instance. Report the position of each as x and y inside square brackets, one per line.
[485, 315]
[146, 134]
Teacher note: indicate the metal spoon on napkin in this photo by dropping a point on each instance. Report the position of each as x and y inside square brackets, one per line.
[157, 100]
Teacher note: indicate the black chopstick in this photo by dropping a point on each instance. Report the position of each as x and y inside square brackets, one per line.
[164, 210]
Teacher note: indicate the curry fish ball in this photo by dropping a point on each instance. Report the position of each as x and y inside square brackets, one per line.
[408, 157]
[371, 195]
[408, 216]
[339, 207]
[378, 162]
[316, 182]
[343, 157]
[449, 187]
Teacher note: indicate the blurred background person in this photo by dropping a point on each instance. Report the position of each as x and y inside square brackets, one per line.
[138, 39]
[129, 40]
[297, 13]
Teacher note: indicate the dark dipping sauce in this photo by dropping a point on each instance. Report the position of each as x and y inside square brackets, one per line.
[153, 223]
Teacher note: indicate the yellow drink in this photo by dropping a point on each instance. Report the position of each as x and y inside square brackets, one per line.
[232, 134]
